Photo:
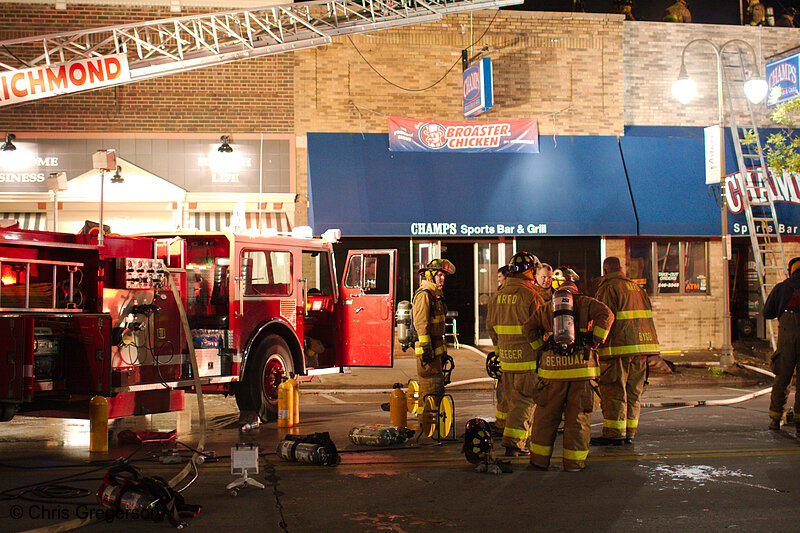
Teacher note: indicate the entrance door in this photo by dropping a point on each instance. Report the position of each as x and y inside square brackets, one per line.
[422, 252]
[367, 308]
[489, 256]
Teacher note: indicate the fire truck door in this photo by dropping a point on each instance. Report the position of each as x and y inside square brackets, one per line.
[367, 309]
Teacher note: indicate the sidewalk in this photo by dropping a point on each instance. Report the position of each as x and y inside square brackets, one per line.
[470, 367]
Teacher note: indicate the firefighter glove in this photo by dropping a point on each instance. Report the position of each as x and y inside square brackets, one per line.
[426, 355]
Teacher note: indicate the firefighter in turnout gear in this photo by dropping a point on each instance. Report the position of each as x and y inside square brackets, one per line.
[428, 312]
[783, 303]
[568, 368]
[501, 410]
[509, 310]
[678, 12]
[623, 357]
[756, 13]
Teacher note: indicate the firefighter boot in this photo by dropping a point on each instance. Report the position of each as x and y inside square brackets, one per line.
[775, 424]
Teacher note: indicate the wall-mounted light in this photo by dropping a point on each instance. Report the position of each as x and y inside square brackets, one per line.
[8, 146]
[117, 177]
[225, 148]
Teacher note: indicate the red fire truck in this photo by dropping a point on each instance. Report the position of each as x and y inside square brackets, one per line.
[78, 319]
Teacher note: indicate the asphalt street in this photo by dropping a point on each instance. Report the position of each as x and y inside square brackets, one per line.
[707, 468]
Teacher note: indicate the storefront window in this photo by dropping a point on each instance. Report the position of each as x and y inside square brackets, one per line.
[669, 267]
[640, 268]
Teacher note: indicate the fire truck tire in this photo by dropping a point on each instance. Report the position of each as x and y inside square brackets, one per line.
[272, 360]
[7, 411]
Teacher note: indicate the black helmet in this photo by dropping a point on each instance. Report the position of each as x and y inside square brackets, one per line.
[522, 262]
[493, 366]
[564, 274]
[478, 446]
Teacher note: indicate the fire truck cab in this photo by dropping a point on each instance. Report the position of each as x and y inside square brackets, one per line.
[80, 319]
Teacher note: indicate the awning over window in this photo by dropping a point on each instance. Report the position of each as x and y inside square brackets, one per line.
[36, 221]
[667, 180]
[221, 221]
[574, 186]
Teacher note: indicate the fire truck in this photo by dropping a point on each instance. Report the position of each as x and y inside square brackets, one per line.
[79, 319]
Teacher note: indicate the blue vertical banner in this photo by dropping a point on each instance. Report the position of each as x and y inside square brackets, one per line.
[478, 90]
[782, 79]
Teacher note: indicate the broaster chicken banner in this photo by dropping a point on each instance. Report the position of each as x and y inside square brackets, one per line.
[414, 135]
[41, 82]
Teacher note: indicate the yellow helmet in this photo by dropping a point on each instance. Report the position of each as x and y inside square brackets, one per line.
[437, 265]
[562, 275]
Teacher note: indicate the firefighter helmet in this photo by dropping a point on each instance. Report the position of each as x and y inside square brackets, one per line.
[493, 366]
[522, 262]
[478, 446]
[564, 274]
[437, 265]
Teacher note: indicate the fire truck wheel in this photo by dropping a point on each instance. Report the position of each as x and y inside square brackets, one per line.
[7, 411]
[273, 360]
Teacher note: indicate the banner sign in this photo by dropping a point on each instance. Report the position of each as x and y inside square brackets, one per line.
[784, 188]
[64, 78]
[510, 136]
[714, 154]
[782, 79]
[478, 89]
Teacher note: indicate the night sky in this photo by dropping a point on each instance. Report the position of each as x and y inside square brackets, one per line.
[703, 11]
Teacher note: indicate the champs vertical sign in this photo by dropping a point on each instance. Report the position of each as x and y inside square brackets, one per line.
[478, 92]
[42, 82]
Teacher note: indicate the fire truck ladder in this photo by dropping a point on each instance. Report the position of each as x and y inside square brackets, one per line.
[167, 46]
[758, 199]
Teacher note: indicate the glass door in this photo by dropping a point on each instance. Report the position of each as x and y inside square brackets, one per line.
[421, 253]
[489, 256]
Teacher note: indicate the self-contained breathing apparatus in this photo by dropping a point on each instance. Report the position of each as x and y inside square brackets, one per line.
[565, 340]
[127, 491]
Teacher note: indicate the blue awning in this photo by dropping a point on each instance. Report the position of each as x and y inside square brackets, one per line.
[574, 186]
[666, 170]
[667, 180]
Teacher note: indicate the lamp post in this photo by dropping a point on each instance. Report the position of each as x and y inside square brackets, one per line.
[684, 89]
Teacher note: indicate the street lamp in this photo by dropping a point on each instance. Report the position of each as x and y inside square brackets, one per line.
[755, 89]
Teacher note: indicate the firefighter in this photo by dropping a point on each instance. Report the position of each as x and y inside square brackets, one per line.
[544, 281]
[678, 12]
[501, 411]
[508, 312]
[624, 7]
[756, 13]
[428, 311]
[623, 357]
[567, 374]
[783, 303]
[787, 19]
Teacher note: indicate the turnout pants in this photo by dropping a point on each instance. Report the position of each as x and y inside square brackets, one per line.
[785, 361]
[621, 385]
[501, 410]
[576, 401]
[518, 395]
[431, 381]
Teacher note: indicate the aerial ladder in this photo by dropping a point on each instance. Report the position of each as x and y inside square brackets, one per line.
[758, 198]
[173, 45]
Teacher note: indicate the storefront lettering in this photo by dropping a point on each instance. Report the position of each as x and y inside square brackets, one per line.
[668, 279]
[741, 229]
[224, 178]
[21, 178]
[451, 228]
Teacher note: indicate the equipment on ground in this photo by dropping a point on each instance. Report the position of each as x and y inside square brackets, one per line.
[478, 444]
[285, 404]
[412, 396]
[244, 461]
[314, 449]
[380, 435]
[295, 399]
[398, 414]
[437, 417]
[131, 494]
